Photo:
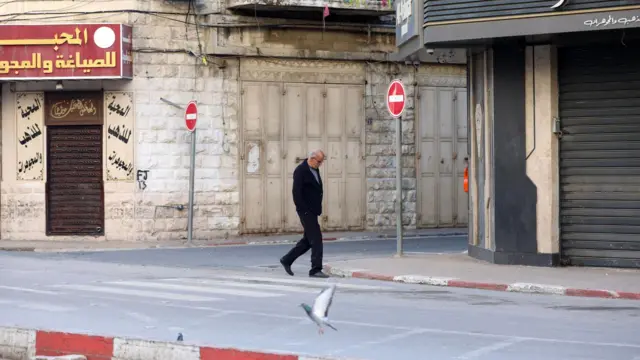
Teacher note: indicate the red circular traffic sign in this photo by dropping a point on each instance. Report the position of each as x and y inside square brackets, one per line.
[191, 115]
[396, 98]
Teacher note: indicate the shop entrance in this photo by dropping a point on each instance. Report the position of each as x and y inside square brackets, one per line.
[600, 155]
[75, 187]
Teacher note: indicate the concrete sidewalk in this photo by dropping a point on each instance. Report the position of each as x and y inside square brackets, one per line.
[78, 246]
[460, 270]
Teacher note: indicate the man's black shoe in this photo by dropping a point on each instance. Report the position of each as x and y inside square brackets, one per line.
[286, 267]
[319, 274]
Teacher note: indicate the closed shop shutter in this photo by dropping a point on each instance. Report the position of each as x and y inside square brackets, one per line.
[75, 201]
[600, 155]
[289, 108]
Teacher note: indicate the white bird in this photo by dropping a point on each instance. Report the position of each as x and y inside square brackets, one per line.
[319, 313]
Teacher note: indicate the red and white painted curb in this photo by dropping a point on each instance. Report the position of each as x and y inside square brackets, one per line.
[529, 288]
[28, 344]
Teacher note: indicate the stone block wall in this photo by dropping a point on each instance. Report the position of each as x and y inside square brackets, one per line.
[164, 146]
[169, 64]
[381, 148]
[381, 137]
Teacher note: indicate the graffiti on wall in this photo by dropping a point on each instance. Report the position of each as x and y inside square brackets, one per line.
[119, 126]
[30, 134]
[142, 176]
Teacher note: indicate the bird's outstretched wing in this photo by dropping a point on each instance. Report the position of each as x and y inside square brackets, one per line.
[323, 302]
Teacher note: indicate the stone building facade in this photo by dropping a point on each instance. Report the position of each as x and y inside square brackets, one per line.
[254, 84]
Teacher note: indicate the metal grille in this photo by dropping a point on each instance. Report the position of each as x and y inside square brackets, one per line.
[600, 155]
[75, 201]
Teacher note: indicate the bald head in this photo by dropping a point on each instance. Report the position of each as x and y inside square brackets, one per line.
[316, 158]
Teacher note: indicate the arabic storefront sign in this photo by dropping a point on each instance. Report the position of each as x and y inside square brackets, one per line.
[30, 135]
[610, 20]
[73, 108]
[73, 51]
[119, 124]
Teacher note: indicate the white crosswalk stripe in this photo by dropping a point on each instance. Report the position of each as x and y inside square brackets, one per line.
[141, 293]
[214, 288]
[317, 284]
[286, 288]
[22, 289]
[35, 305]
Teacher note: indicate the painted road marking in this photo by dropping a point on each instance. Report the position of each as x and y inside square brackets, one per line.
[35, 306]
[211, 290]
[318, 284]
[44, 292]
[490, 348]
[246, 285]
[143, 293]
[194, 289]
[385, 339]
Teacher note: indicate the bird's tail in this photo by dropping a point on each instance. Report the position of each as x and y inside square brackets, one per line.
[331, 326]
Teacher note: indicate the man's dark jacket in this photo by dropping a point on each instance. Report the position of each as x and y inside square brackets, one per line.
[307, 192]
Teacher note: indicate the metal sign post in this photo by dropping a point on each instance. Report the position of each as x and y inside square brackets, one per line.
[191, 118]
[396, 100]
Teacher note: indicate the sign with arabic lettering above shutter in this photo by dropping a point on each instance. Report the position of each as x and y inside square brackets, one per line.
[30, 135]
[119, 123]
[66, 51]
[73, 108]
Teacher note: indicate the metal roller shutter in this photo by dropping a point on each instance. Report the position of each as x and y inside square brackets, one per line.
[600, 155]
[75, 201]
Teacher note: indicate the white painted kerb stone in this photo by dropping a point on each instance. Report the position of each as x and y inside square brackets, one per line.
[425, 280]
[341, 272]
[536, 288]
[133, 349]
[17, 343]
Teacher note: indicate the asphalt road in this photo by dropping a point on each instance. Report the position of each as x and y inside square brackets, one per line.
[257, 308]
[262, 256]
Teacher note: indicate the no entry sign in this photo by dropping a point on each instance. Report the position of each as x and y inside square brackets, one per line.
[396, 98]
[191, 116]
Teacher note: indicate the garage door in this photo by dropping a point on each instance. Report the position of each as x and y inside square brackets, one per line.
[600, 155]
[282, 122]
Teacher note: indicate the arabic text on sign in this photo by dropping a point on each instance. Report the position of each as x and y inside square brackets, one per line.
[118, 109]
[25, 112]
[65, 38]
[61, 109]
[121, 134]
[47, 66]
[610, 20]
[27, 165]
[34, 132]
[120, 164]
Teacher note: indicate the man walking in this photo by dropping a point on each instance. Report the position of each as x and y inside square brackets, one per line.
[307, 196]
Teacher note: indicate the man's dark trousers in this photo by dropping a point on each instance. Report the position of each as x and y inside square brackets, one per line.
[311, 239]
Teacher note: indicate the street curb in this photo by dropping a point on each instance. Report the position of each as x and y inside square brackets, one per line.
[30, 344]
[528, 288]
[223, 244]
